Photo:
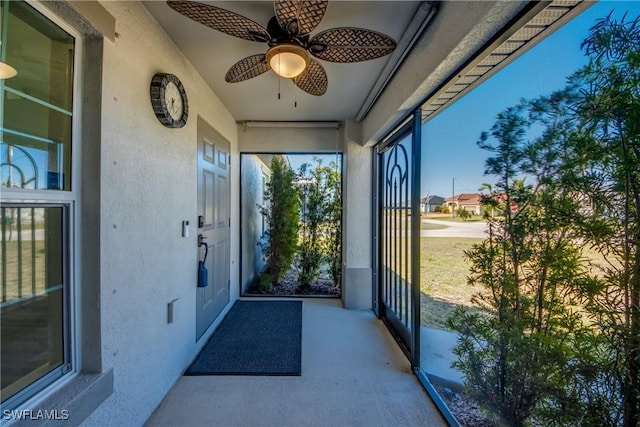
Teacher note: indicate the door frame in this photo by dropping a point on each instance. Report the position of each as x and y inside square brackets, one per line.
[408, 339]
[206, 131]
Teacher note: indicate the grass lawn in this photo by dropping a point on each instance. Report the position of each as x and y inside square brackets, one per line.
[31, 264]
[443, 276]
[443, 272]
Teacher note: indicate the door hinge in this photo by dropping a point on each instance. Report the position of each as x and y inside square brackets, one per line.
[229, 222]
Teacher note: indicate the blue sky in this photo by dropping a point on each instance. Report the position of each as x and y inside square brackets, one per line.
[297, 160]
[449, 147]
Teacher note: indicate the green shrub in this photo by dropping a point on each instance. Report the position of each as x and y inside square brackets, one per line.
[282, 213]
[320, 222]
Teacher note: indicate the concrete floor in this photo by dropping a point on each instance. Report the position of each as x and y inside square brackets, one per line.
[436, 354]
[353, 374]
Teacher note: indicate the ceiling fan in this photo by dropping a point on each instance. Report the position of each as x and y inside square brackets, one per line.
[290, 43]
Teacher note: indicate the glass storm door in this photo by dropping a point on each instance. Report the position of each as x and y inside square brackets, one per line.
[398, 290]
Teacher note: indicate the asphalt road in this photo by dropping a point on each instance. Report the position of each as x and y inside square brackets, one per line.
[455, 229]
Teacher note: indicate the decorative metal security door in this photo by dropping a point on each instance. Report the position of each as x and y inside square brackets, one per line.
[399, 236]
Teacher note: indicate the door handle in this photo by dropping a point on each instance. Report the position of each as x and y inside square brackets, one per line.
[202, 270]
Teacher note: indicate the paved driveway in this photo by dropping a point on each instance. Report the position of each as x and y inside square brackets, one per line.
[456, 229]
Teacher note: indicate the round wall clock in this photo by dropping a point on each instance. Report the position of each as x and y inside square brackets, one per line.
[169, 100]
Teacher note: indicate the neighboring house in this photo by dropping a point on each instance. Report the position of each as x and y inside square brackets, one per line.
[130, 185]
[470, 202]
[430, 203]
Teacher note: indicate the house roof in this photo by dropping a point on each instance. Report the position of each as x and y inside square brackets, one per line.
[466, 198]
[434, 200]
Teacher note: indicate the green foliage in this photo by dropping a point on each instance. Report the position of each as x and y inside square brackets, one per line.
[577, 183]
[608, 176]
[311, 217]
[320, 222]
[331, 246]
[263, 282]
[282, 213]
[463, 214]
[514, 354]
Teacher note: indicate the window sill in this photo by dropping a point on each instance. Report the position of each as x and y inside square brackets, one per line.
[75, 401]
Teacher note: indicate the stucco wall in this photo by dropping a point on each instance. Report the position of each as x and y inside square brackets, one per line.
[252, 171]
[357, 219]
[148, 175]
[289, 139]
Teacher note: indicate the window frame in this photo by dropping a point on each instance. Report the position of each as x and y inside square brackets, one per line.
[56, 373]
[70, 200]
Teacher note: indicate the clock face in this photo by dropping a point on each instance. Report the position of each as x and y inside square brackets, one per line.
[169, 100]
[173, 101]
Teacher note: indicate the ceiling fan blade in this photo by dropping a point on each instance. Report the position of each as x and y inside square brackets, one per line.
[247, 68]
[313, 80]
[300, 17]
[221, 20]
[351, 45]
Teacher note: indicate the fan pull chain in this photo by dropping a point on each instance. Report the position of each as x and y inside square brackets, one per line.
[295, 99]
[279, 68]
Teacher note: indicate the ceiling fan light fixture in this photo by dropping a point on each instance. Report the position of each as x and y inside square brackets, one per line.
[288, 60]
[6, 71]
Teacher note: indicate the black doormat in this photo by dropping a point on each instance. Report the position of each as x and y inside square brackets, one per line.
[255, 338]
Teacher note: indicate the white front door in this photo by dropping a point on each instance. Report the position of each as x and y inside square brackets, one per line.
[213, 224]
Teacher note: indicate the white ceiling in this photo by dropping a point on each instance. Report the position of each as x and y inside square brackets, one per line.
[212, 53]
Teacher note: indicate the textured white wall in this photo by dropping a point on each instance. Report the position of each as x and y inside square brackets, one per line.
[357, 219]
[148, 188]
[289, 140]
[252, 195]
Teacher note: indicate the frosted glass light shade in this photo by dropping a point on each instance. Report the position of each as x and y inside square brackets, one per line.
[7, 71]
[288, 60]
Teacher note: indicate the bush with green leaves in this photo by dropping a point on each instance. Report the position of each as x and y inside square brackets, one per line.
[513, 354]
[312, 212]
[282, 213]
[331, 244]
[606, 173]
[463, 214]
[559, 337]
[320, 221]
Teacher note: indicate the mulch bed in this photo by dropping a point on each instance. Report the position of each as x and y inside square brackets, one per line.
[289, 286]
[464, 409]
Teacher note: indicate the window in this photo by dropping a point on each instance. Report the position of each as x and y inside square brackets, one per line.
[291, 212]
[37, 204]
